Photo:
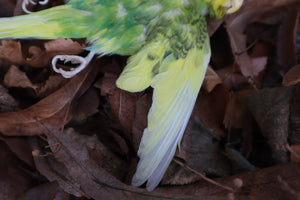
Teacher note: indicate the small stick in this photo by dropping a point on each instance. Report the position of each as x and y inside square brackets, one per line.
[202, 175]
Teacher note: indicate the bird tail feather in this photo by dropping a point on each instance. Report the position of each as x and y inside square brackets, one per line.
[61, 21]
[176, 86]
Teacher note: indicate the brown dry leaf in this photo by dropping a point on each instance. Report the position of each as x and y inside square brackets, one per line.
[252, 185]
[211, 79]
[286, 45]
[259, 64]
[17, 78]
[270, 108]
[204, 156]
[236, 25]
[294, 120]
[236, 113]
[11, 50]
[292, 77]
[143, 105]
[122, 103]
[7, 102]
[52, 109]
[231, 78]
[38, 56]
[210, 107]
[295, 153]
[6, 8]
[14, 181]
[46, 191]
[21, 148]
[87, 105]
[79, 175]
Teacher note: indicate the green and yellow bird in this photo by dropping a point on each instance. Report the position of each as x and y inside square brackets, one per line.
[169, 48]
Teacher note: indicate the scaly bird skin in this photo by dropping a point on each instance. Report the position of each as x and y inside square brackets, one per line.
[170, 51]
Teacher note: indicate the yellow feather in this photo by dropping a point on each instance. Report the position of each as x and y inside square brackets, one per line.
[175, 91]
[142, 67]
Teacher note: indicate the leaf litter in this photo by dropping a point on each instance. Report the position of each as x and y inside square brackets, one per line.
[244, 131]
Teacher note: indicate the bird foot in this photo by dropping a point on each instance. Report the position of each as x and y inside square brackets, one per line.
[82, 61]
[26, 2]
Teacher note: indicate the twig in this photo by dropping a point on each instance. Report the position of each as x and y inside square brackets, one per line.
[202, 175]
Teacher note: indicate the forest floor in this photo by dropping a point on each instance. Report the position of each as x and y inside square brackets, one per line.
[77, 138]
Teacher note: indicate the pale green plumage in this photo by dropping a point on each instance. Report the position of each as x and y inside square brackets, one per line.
[170, 51]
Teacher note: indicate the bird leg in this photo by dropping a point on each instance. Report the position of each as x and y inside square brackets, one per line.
[26, 2]
[83, 61]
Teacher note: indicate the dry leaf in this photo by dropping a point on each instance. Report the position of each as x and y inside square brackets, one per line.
[14, 181]
[11, 50]
[232, 78]
[37, 55]
[20, 147]
[17, 78]
[210, 107]
[254, 185]
[122, 103]
[270, 108]
[52, 109]
[211, 79]
[204, 156]
[46, 191]
[295, 153]
[294, 118]
[286, 45]
[143, 105]
[292, 77]
[236, 113]
[6, 8]
[84, 176]
[7, 102]
[87, 105]
[259, 64]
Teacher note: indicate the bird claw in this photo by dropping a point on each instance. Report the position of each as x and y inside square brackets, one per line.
[26, 2]
[74, 60]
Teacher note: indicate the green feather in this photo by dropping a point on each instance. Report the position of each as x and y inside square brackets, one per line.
[170, 51]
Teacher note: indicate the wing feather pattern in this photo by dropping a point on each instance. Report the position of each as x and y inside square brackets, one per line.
[175, 91]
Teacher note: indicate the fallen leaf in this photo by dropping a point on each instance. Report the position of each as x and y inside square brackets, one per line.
[21, 148]
[294, 118]
[37, 55]
[204, 156]
[6, 8]
[295, 153]
[87, 106]
[292, 77]
[238, 162]
[46, 191]
[254, 185]
[286, 45]
[236, 113]
[259, 64]
[211, 79]
[122, 102]
[270, 108]
[210, 107]
[12, 174]
[7, 102]
[52, 109]
[16, 78]
[83, 176]
[232, 78]
[142, 107]
[11, 50]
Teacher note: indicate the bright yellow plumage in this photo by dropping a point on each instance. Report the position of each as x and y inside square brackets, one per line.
[170, 51]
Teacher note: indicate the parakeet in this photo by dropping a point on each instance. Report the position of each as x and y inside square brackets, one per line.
[169, 48]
